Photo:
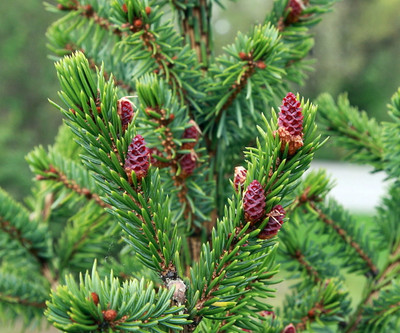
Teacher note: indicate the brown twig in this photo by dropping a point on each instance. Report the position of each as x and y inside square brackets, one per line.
[374, 291]
[192, 20]
[16, 234]
[56, 175]
[237, 88]
[346, 238]
[21, 301]
[310, 270]
[316, 311]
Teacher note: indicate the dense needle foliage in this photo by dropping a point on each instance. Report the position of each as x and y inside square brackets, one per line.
[177, 182]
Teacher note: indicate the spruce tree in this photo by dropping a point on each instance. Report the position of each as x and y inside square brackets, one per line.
[174, 191]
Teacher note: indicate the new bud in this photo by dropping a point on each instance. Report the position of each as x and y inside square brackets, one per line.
[179, 295]
[109, 315]
[95, 298]
[240, 177]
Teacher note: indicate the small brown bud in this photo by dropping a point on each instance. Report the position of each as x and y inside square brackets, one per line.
[109, 315]
[179, 295]
[138, 23]
[95, 298]
[242, 55]
[125, 8]
[261, 64]
[148, 10]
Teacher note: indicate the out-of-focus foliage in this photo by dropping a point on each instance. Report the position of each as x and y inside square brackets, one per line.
[366, 60]
[26, 80]
[357, 47]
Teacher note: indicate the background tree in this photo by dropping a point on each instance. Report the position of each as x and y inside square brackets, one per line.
[159, 123]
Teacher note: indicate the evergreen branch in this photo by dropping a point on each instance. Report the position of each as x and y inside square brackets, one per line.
[97, 304]
[390, 138]
[144, 39]
[293, 19]
[14, 233]
[137, 200]
[165, 117]
[238, 87]
[384, 313]
[318, 306]
[17, 300]
[225, 265]
[360, 136]
[107, 76]
[382, 282]
[313, 273]
[88, 235]
[300, 253]
[255, 56]
[194, 21]
[346, 237]
[64, 42]
[22, 293]
[56, 175]
[88, 11]
[55, 167]
[388, 233]
[159, 49]
[314, 188]
[29, 234]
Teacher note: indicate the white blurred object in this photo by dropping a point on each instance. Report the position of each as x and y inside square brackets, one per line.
[357, 189]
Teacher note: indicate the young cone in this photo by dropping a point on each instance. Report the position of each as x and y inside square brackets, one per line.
[125, 112]
[289, 329]
[290, 124]
[137, 158]
[192, 132]
[275, 222]
[188, 163]
[254, 202]
[295, 7]
[240, 177]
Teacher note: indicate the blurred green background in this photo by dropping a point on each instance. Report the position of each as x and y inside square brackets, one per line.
[356, 50]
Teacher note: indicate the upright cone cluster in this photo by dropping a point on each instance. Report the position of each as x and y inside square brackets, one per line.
[254, 202]
[137, 158]
[125, 112]
[275, 222]
[290, 124]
